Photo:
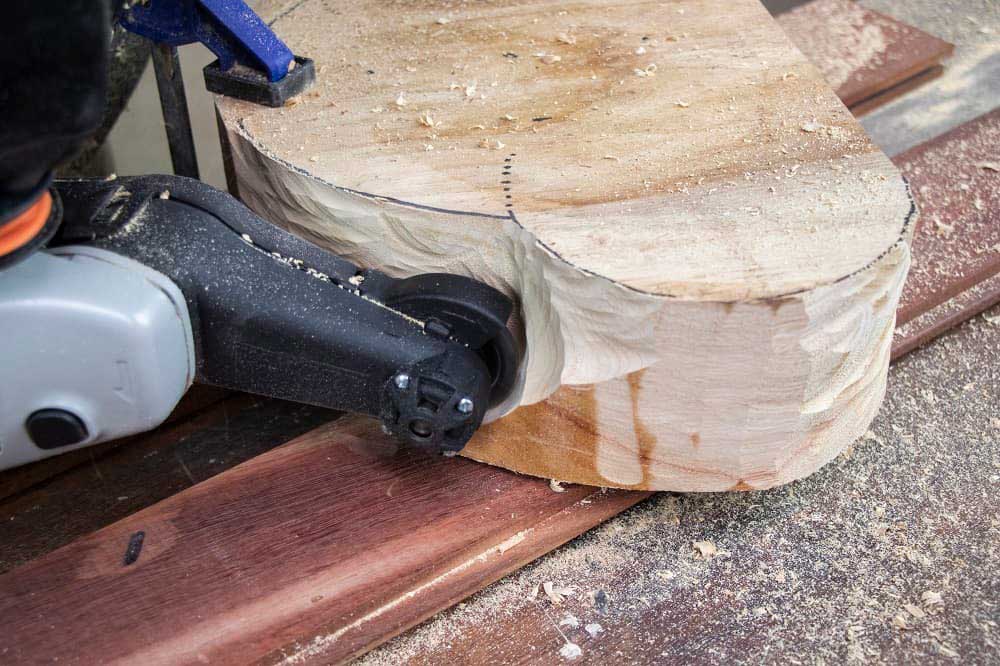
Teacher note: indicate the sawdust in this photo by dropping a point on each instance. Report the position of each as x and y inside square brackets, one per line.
[808, 579]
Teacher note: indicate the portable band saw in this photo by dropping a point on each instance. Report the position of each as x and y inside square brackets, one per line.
[117, 294]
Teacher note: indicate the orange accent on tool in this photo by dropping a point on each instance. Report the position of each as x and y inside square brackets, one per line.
[19, 231]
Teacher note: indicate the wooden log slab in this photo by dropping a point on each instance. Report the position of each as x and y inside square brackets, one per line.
[705, 248]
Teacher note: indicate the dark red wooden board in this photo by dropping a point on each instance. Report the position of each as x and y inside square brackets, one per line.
[861, 52]
[955, 179]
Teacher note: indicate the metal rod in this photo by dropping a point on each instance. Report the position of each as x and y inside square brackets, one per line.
[173, 101]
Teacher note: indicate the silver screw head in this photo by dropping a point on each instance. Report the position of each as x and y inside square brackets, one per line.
[465, 405]
[402, 381]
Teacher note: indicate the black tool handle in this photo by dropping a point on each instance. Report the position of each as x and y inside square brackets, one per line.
[276, 315]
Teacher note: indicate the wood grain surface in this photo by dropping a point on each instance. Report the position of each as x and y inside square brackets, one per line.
[861, 52]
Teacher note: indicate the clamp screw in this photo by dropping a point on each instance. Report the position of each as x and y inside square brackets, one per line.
[402, 381]
[465, 405]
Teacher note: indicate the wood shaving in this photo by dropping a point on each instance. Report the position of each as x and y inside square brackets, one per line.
[494, 144]
[641, 50]
[556, 486]
[401, 101]
[557, 594]
[915, 611]
[931, 598]
[681, 104]
[565, 38]
[811, 127]
[570, 621]
[470, 90]
[989, 166]
[548, 58]
[426, 120]
[706, 549]
[570, 651]
[443, 21]
[649, 70]
[899, 621]
[947, 651]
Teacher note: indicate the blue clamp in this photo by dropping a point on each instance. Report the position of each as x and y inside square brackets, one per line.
[236, 35]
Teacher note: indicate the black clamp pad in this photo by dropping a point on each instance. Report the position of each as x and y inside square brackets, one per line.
[251, 85]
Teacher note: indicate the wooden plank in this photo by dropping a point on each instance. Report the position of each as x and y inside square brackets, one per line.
[256, 562]
[13, 481]
[965, 91]
[114, 483]
[862, 53]
[897, 91]
[699, 281]
[956, 181]
[926, 326]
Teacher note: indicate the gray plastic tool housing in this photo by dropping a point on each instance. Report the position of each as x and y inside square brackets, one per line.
[92, 333]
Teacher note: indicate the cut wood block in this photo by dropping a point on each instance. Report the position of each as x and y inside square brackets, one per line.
[685, 213]
[868, 58]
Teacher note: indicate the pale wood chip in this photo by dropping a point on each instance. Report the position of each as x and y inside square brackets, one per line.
[557, 594]
[706, 549]
[570, 651]
[931, 598]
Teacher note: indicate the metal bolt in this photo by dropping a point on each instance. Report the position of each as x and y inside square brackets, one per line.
[465, 405]
[402, 381]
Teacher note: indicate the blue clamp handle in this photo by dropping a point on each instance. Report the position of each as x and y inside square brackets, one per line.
[229, 28]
